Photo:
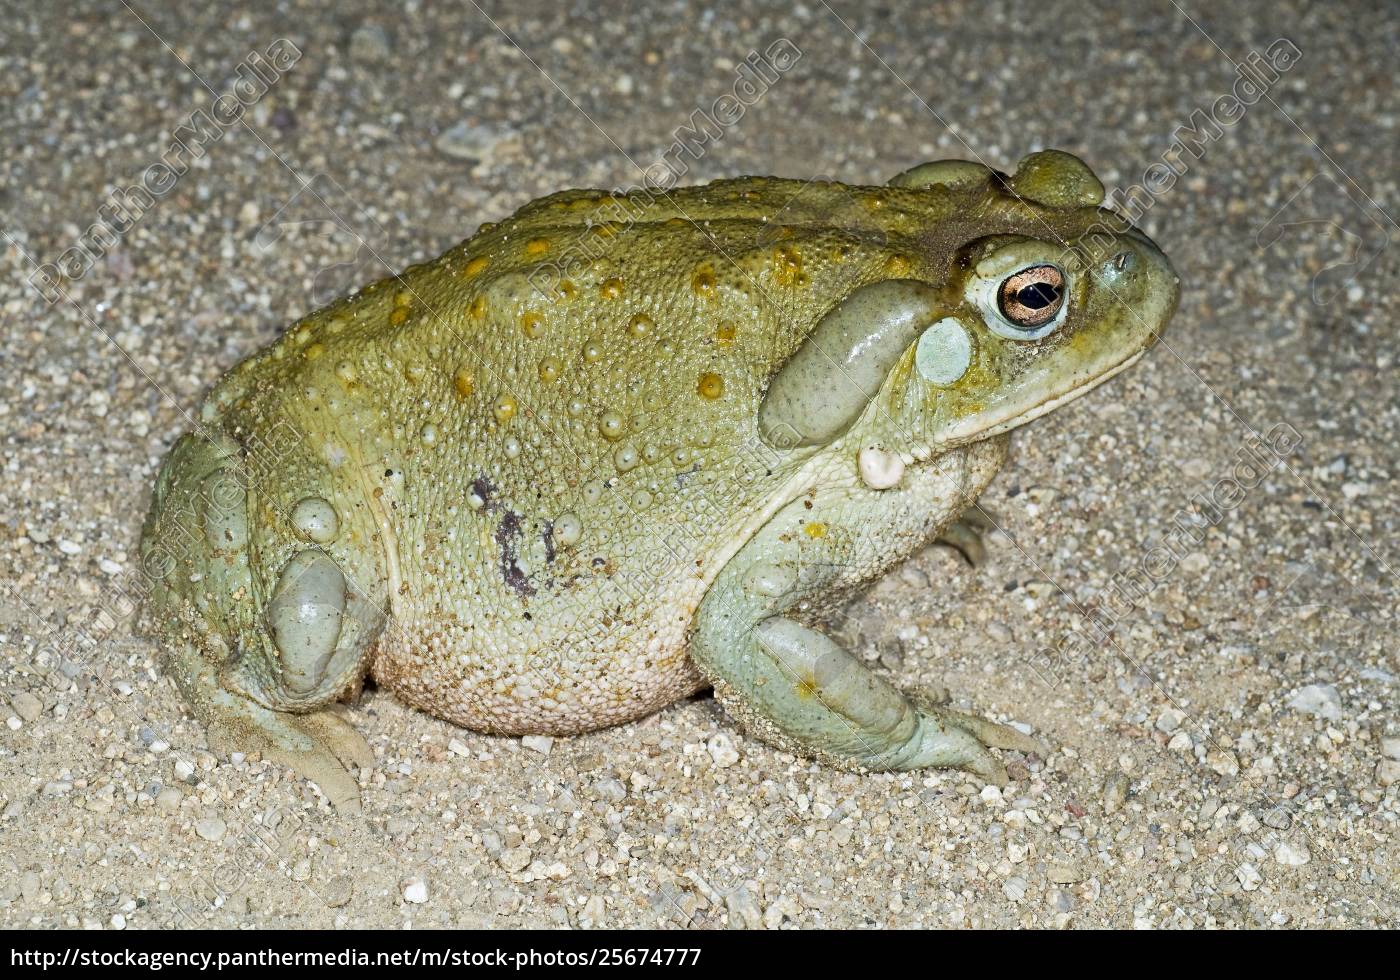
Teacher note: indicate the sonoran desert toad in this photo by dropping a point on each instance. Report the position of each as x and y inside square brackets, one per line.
[621, 447]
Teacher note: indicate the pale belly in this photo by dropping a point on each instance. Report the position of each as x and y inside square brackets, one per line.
[601, 674]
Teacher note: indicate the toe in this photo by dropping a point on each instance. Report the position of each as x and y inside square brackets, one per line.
[979, 517]
[339, 736]
[987, 767]
[991, 734]
[318, 746]
[322, 768]
[966, 540]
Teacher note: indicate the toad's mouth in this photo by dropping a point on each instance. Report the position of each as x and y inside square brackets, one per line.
[976, 428]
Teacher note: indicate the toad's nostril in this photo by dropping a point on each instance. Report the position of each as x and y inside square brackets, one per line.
[305, 615]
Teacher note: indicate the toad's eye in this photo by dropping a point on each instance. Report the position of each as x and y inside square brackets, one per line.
[1032, 297]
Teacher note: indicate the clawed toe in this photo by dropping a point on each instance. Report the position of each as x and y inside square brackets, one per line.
[340, 737]
[964, 741]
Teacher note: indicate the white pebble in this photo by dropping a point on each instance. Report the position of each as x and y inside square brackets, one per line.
[516, 858]
[1292, 855]
[1320, 700]
[211, 828]
[594, 914]
[1170, 720]
[415, 891]
[1388, 772]
[539, 743]
[1249, 876]
[722, 751]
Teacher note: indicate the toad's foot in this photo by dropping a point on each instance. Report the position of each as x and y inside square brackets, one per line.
[320, 746]
[827, 698]
[988, 735]
[967, 535]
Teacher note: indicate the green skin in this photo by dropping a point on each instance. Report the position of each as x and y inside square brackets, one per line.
[613, 450]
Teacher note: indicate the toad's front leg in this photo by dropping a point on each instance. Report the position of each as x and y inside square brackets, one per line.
[793, 685]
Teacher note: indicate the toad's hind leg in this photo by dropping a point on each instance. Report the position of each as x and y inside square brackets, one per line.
[319, 745]
[795, 686]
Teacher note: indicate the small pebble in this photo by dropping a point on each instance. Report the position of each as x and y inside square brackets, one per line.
[480, 144]
[594, 914]
[370, 42]
[742, 909]
[415, 891]
[1223, 761]
[538, 743]
[1321, 700]
[1292, 854]
[211, 828]
[722, 751]
[27, 706]
[515, 859]
[1248, 876]
[1170, 720]
[1115, 792]
[1388, 772]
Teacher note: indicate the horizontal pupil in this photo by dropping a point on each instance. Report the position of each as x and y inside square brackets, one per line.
[1037, 296]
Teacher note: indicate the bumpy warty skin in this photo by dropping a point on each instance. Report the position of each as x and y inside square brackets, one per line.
[539, 449]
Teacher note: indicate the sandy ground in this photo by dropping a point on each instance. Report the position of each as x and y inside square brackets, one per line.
[1226, 758]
